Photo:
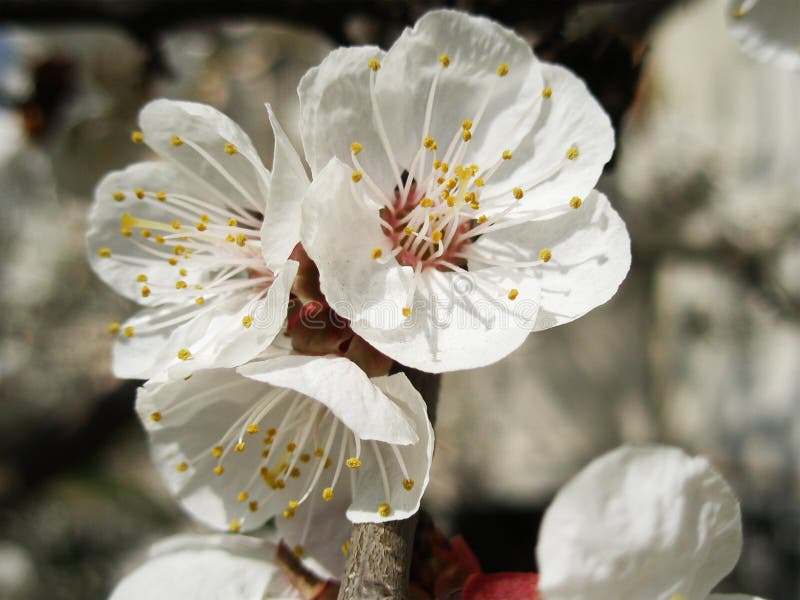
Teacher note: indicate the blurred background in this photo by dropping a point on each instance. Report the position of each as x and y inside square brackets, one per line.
[700, 348]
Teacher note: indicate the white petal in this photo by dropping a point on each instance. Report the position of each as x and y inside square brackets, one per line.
[238, 178]
[193, 416]
[280, 231]
[320, 528]
[476, 47]
[335, 111]
[644, 522]
[461, 321]
[767, 30]
[128, 257]
[591, 256]
[345, 389]
[570, 118]
[369, 492]
[339, 232]
[207, 568]
[215, 336]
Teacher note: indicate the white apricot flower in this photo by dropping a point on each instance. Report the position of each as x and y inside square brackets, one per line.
[275, 436]
[452, 209]
[207, 567]
[767, 30]
[640, 522]
[201, 239]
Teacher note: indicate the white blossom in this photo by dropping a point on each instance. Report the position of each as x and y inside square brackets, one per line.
[767, 30]
[286, 435]
[648, 522]
[202, 239]
[452, 209]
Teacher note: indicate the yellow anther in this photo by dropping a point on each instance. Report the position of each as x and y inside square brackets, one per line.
[242, 496]
[230, 238]
[201, 226]
[252, 505]
[429, 143]
[280, 484]
[353, 462]
[239, 447]
[327, 464]
[547, 92]
[288, 513]
[406, 311]
[264, 453]
[440, 181]
[572, 153]
[466, 124]
[218, 470]
[384, 510]
[139, 193]
[184, 354]
[145, 233]
[176, 141]
[183, 272]
[376, 253]
[125, 232]
[466, 135]
[327, 494]
[319, 452]
[475, 205]
[469, 197]
[252, 429]
[161, 196]
[298, 551]
[426, 203]
[513, 293]
[408, 230]
[451, 183]
[345, 547]
[431, 217]
[204, 218]
[234, 527]
[444, 167]
[408, 484]
[444, 60]
[374, 64]
[738, 13]
[436, 236]
[295, 472]
[355, 147]
[479, 182]
[155, 416]
[575, 202]
[113, 328]
[230, 149]
[271, 431]
[247, 321]
[502, 70]
[180, 284]
[482, 219]
[304, 458]
[216, 451]
[181, 467]
[172, 261]
[104, 252]
[506, 155]
[517, 193]
[473, 169]
[127, 331]
[241, 240]
[291, 447]
[160, 239]
[141, 278]
[175, 224]
[451, 201]
[437, 164]
[118, 196]
[145, 291]
[137, 137]
[356, 176]
[545, 254]
[232, 222]
[444, 195]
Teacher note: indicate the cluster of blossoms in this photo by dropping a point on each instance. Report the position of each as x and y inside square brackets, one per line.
[450, 212]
